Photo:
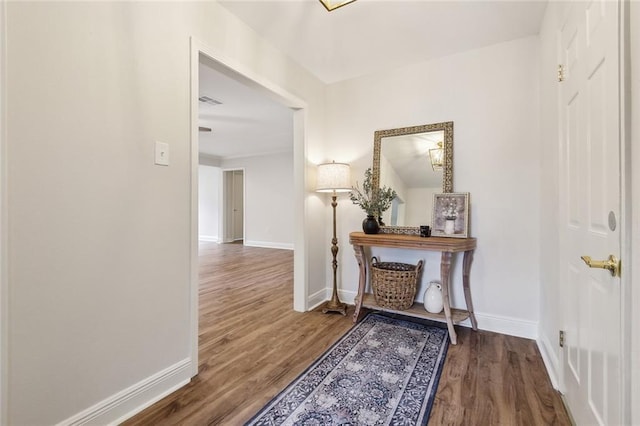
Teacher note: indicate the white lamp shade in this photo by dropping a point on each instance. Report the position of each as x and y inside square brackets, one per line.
[333, 177]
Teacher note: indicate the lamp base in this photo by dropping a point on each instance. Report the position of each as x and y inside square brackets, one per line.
[335, 306]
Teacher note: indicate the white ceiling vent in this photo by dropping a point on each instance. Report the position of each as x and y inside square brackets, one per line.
[208, 100]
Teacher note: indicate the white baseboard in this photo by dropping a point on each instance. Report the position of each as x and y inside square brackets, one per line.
[551, 361]
[125, 404]
[267, 244]
[316, 299]
[322, 296]
[505, 325]
[208, 238]
[348, 297]
[495, 323]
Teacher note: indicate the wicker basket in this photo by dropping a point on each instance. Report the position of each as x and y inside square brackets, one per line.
[394, 284]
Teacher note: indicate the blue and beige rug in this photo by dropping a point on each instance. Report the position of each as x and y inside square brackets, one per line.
[384, 371]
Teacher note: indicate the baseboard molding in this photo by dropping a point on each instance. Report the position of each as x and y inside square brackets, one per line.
[267, 244]
[348, 297]
[208, 238]
[125, 404]
[319, 297]
[505, 325]
[495, 323]
[551, 361]
[316, 299]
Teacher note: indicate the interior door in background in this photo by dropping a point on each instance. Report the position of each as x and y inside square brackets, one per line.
[590, 210]
[238, 205]
[233, 205]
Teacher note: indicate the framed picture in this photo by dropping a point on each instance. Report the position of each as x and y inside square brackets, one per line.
[450, 215]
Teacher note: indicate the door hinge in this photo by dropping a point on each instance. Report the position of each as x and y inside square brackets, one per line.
[561, 338]
[560, 72]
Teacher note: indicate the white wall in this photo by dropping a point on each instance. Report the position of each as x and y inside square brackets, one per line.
[269, 217]
[209, 182]
[99, 236]
[491, 96]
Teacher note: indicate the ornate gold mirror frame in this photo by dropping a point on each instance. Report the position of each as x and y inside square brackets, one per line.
[447, 167]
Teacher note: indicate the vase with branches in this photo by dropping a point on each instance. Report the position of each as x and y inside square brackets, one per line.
[374, 201]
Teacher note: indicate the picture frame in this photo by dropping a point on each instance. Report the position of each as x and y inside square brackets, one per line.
[450, 216]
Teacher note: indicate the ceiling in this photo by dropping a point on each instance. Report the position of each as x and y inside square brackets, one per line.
[361, 38]
[246, 122]
[372, 35]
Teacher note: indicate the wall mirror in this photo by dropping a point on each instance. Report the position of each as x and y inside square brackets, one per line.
[416, 162]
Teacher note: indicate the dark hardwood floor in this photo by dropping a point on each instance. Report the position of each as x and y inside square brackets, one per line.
[252, 344]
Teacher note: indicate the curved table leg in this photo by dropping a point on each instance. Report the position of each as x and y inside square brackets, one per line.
[359, 251]
[445, 267]
[468, 258]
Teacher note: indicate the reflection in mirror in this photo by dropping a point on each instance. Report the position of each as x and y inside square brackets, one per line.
[406, 159]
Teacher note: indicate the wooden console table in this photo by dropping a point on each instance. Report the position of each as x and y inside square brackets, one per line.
[447, 246]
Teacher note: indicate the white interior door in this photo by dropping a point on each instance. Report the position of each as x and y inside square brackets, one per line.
[590, 210]
[238, 205]
[233, 205]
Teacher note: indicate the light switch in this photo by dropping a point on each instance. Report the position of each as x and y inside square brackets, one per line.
[162, 153]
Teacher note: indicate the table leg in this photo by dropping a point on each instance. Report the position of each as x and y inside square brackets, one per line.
[445, 267]
[359, 251]
[466, 268]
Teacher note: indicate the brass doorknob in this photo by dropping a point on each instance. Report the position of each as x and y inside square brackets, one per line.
[612, 264]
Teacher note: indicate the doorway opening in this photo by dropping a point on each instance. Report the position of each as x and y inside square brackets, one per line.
[226, 163]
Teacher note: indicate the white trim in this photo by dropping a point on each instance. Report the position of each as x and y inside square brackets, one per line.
[301, 252]
[346, 296]
[236, 70]
[495, 323]
[193, 236]
[317, 299]
[268, 244]
[551, 361]
[320, 297]
[506, 325]
[208, 238]
[127, 403]
[626, 214]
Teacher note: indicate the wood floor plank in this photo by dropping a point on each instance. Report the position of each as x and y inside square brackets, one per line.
[252, 345]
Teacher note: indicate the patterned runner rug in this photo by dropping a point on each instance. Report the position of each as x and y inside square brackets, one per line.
[384, 371]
